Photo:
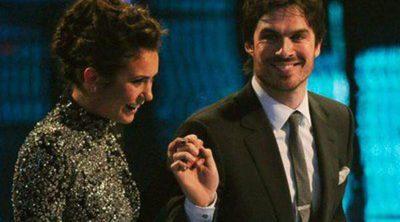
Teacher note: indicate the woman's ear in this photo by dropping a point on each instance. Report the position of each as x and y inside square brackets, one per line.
[90, 79]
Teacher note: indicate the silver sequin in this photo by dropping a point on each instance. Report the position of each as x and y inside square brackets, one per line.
[71, 168]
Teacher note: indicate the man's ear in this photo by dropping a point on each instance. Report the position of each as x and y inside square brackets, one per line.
[90, 79]
[317, 50]
[249, 48]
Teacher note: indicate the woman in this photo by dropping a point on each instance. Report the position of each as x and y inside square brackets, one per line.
[71, 166]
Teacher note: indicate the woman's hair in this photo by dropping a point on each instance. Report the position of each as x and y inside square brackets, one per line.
[102, 34]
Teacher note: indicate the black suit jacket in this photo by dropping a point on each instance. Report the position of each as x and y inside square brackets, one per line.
[253, 185]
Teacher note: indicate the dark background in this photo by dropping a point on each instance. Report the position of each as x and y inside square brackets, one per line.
[201, 62]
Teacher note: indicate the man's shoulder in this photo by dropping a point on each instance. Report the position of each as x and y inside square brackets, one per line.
[328, 105]
[222, 109]
[325, 101]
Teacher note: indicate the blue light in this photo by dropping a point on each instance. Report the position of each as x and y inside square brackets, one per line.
[329, 76]
[200, 61]
[23, 80]
[377, 76]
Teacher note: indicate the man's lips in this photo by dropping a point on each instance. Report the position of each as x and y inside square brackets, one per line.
[286, 67]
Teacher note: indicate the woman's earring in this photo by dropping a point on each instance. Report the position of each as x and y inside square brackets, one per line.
[93, 89]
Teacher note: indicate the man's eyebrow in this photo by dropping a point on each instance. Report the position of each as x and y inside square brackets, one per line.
[301, 31]
[270, 30]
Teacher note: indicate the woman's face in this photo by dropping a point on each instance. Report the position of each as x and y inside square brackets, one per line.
[121, 99]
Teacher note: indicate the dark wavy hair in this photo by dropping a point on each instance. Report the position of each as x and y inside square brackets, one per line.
[102, 34]
[253, 10]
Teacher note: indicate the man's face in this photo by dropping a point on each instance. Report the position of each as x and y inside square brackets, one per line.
[283, 50]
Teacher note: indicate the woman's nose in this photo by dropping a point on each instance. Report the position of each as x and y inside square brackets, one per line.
[148, 93]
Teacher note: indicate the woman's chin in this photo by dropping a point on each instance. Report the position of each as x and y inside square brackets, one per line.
[126, 119]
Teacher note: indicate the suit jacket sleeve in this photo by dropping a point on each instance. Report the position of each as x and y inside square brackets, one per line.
[339, 212]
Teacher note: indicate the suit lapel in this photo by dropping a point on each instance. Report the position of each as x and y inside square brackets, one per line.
[324, 137]
[262, 146]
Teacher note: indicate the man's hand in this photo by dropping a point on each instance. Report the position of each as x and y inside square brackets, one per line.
[194, 168]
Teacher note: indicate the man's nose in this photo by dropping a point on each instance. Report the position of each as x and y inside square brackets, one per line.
[285, 49]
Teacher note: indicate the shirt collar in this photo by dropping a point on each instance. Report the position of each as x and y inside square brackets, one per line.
[276, 112]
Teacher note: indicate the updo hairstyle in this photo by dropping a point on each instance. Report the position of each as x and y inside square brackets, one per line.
[102, 34]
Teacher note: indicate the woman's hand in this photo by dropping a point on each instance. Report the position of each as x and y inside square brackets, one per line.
[194, 168]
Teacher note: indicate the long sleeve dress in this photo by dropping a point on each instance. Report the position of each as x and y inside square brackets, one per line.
[72, 168]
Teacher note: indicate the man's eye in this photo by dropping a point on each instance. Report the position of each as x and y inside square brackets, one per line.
[269, 37]
[297, 37]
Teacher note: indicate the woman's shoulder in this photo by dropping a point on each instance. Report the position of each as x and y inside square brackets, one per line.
[48, 132]
[43, 142]
[42, 170]
[50, 138]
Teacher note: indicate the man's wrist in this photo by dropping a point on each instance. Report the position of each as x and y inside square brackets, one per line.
[203, 203]
[197, 213]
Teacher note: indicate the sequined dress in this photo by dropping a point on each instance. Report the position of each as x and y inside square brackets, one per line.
[71, 168]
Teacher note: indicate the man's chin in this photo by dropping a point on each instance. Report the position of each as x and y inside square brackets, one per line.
[284, 87]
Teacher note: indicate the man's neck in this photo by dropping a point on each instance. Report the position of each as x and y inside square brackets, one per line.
[290, 98]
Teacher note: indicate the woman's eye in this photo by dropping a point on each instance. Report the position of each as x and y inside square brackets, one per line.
[137, 81]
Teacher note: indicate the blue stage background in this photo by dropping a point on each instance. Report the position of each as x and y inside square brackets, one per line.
[201, 62]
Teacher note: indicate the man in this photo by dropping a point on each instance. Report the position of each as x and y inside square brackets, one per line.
[282, 153]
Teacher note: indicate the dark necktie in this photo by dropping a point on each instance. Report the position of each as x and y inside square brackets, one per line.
[303, 193]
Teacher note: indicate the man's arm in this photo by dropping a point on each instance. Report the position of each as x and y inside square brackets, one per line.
[197, 181]
[339, 213]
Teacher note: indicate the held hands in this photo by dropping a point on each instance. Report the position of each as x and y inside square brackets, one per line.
[194, 168]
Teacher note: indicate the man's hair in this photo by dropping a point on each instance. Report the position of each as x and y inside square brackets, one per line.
[253, 10]
[102, 34]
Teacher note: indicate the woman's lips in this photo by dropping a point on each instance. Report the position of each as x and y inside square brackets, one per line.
[132, 107]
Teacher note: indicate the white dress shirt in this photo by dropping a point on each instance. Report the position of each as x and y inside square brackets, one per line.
[278, 114]
[199, 214]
